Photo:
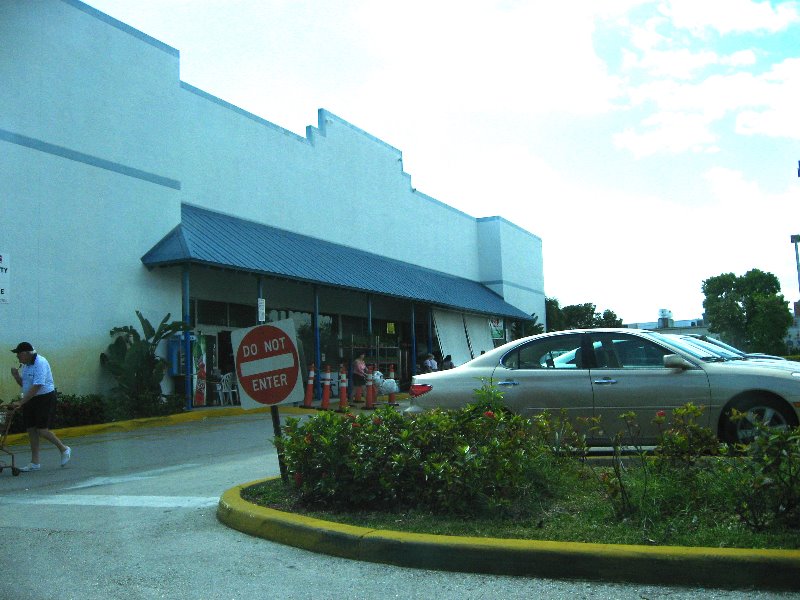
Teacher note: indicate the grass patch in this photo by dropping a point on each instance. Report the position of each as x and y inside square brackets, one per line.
[580, 513]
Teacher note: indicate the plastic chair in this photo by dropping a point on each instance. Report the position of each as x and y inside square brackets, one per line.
[228, 390]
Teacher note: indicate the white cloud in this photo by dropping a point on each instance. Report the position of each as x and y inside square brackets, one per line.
[527, 59]
[739, 59]
[672, 132]
[730, 16]
[688, 114]
[683, 63]
[778, 117]
[677, 64]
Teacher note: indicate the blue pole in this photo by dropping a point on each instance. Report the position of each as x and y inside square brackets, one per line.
[317, 345]
[413, 340]
[187, 339]
[430, 331]
[369, 316]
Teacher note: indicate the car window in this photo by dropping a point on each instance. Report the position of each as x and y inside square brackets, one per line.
[622, 351]
[556, 352]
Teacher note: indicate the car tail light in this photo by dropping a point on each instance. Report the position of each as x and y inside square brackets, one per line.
[417, 389]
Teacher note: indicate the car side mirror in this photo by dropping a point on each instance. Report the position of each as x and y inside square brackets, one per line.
[673, 361]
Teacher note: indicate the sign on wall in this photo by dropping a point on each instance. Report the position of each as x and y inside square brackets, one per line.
[497, 328]
[267, 364]
[5, 278]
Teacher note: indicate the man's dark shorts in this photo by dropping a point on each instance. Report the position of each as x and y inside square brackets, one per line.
[38, 412]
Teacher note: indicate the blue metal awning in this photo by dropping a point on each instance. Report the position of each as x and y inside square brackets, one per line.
[206, 237]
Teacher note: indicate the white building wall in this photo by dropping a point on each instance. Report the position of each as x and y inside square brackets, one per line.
[510, 263]
[100, 143]
[87, 182]
[339, 183]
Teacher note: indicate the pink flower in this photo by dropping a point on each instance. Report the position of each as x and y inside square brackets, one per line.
[377, 421]
[356, 424]
[489, 414]
[661, 414]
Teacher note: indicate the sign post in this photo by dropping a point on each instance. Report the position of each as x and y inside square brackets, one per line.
[268, 369]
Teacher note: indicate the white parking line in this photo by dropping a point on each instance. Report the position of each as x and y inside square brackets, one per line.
[117, 501]
[98, 481]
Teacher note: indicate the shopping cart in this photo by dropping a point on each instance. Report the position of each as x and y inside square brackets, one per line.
[6, 417]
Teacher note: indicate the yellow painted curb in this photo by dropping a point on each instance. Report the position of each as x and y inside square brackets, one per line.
[673, 565]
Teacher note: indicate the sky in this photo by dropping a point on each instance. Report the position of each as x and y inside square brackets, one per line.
[649, 144]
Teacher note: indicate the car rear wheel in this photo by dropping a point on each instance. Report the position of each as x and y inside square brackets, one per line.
[765, 411]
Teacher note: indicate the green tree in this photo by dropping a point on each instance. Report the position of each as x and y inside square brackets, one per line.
[608, 319]
[554, 317]
[748, 311]
[132, 361]
[578, 316]
[520, 329]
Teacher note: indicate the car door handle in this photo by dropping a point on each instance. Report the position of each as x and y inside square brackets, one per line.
[512, 382]
[605, 381]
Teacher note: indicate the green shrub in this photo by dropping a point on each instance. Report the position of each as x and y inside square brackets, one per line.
[120, 407]
[768, 478]
[132, 361]
[464, 462]
[683, 443]
[71, 410]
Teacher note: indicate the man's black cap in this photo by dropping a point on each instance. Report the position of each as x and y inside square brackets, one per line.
[23, 347]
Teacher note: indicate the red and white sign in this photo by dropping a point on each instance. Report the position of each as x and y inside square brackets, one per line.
[267, 364]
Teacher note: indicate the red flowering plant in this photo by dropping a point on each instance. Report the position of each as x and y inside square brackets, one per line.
[683, 441]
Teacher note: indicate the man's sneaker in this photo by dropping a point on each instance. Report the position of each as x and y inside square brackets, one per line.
[66, 455]
[31, 467]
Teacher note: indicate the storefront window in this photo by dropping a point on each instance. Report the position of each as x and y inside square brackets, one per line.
[242, 315]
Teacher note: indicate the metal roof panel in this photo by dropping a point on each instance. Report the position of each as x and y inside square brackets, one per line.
[212, 238]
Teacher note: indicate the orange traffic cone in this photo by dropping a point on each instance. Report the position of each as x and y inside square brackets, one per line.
[326, 388]
[309, 387]
[342, 389]
[370, 391]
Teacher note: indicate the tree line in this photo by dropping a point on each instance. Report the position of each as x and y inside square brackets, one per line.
[747, 311]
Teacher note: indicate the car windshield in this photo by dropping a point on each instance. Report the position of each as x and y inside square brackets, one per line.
[703, 353]
[720, 345]
[707, 347]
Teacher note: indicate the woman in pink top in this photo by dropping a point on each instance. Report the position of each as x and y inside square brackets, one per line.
[359, 376]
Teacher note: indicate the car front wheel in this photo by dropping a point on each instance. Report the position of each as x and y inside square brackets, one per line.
[766, 412]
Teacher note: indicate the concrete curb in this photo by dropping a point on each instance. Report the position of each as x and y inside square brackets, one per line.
[667, 565]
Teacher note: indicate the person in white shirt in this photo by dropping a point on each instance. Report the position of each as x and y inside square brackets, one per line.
[38, 402]
[430, 364]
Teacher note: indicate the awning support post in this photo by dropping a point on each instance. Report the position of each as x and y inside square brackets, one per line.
[430, 330]
[413, 340]
[187, 338]
[317, 345]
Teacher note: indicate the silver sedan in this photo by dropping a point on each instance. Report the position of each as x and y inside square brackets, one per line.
[606, 372]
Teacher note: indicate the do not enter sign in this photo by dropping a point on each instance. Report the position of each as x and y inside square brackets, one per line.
[267, 364]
